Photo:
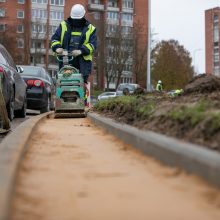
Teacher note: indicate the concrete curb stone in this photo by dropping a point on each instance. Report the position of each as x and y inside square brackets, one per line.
[192, 158]
[12, 149]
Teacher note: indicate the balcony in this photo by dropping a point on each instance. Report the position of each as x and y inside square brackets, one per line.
[96, 7]
[128, 10]
[116, 9]
[37, 50]
[128, 23]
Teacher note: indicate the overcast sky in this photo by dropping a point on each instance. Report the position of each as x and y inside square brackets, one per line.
[183, 20]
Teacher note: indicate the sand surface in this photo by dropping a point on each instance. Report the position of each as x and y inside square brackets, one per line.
[75, 171]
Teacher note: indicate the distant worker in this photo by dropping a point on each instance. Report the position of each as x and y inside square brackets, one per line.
[78, 36]
[159, 86]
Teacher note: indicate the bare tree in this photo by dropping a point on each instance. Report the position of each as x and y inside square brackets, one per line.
[119, 53]
[8, 40]
[38, 37]
[140, 53]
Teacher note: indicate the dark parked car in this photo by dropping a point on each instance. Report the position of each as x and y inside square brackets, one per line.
[13, 86]
[40, 88]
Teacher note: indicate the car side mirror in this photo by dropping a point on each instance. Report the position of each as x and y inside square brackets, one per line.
[20, 69]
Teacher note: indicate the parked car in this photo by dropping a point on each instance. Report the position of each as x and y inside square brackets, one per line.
[13, 86]
[40, 88]
[106, 95]
[126, 88]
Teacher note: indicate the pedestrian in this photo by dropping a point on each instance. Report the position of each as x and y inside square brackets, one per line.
[159, 86]
[78, 36]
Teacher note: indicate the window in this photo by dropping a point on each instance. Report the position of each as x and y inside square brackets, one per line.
[39, 13]
[20, 43]
[21, 1]
[56, 15]
[2, 12]
[53, 29]
[112, 15]
[20, 14]
[215, 18]
[216, 32]
[57, 2]
[39, 28]
[112, 3]
[2, 27]
[127, 17]
[128, 4]
[20, 28]
[38, 44]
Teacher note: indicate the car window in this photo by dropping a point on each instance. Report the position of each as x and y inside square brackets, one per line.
[31, 71]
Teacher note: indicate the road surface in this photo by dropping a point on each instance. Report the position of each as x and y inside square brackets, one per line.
[17, 121]
[75, 171]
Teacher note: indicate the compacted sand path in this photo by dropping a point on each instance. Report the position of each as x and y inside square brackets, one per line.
[75, 171]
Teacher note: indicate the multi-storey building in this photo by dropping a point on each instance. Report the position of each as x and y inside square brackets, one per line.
[45, 18]
[212, 29]
[121, 29]
[14, 28]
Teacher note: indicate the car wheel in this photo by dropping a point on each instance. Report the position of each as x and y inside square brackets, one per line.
[10, 106]
[22, 112]
[125, 91]
[47, 107]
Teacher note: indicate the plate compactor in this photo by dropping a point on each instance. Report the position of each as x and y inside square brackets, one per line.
[69, 90]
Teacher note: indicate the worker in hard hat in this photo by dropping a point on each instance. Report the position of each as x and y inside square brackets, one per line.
[159, 86]
[78, 36]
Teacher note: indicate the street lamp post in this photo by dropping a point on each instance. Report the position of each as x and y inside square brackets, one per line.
[194, 59]
[148, 81]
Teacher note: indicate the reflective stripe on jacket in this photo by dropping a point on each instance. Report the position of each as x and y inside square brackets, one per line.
[88, 40]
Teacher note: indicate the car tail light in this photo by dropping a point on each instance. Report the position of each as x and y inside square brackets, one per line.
[38, 83]
[1, 70]
[30, 82]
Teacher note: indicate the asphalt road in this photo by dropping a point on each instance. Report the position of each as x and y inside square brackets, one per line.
[17, 121]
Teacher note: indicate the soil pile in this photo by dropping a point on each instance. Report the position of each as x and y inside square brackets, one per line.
[193, 116]
[203, 84]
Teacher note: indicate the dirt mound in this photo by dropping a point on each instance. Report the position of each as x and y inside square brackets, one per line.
[203, 84]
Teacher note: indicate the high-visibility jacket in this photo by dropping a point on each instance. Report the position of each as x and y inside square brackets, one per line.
[159, 87]
[87, 42]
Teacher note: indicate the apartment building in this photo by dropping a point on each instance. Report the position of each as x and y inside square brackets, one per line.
[116, 20]
[212, 30]
[45, 18]
[14, 28]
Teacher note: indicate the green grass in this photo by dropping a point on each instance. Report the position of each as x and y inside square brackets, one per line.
[194, 114]
[125, 104]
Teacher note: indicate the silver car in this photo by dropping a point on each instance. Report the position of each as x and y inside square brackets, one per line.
[106, 95]
[126, 88]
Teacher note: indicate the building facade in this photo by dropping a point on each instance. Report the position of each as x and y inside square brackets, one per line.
[212, 30]
[14, 28]
[45, 18]
[121, 29]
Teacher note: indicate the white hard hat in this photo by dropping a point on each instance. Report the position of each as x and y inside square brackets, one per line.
[78, 11]
[159, 81]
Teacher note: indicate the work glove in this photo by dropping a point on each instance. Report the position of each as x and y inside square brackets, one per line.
[59, 50]
[76, 53]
